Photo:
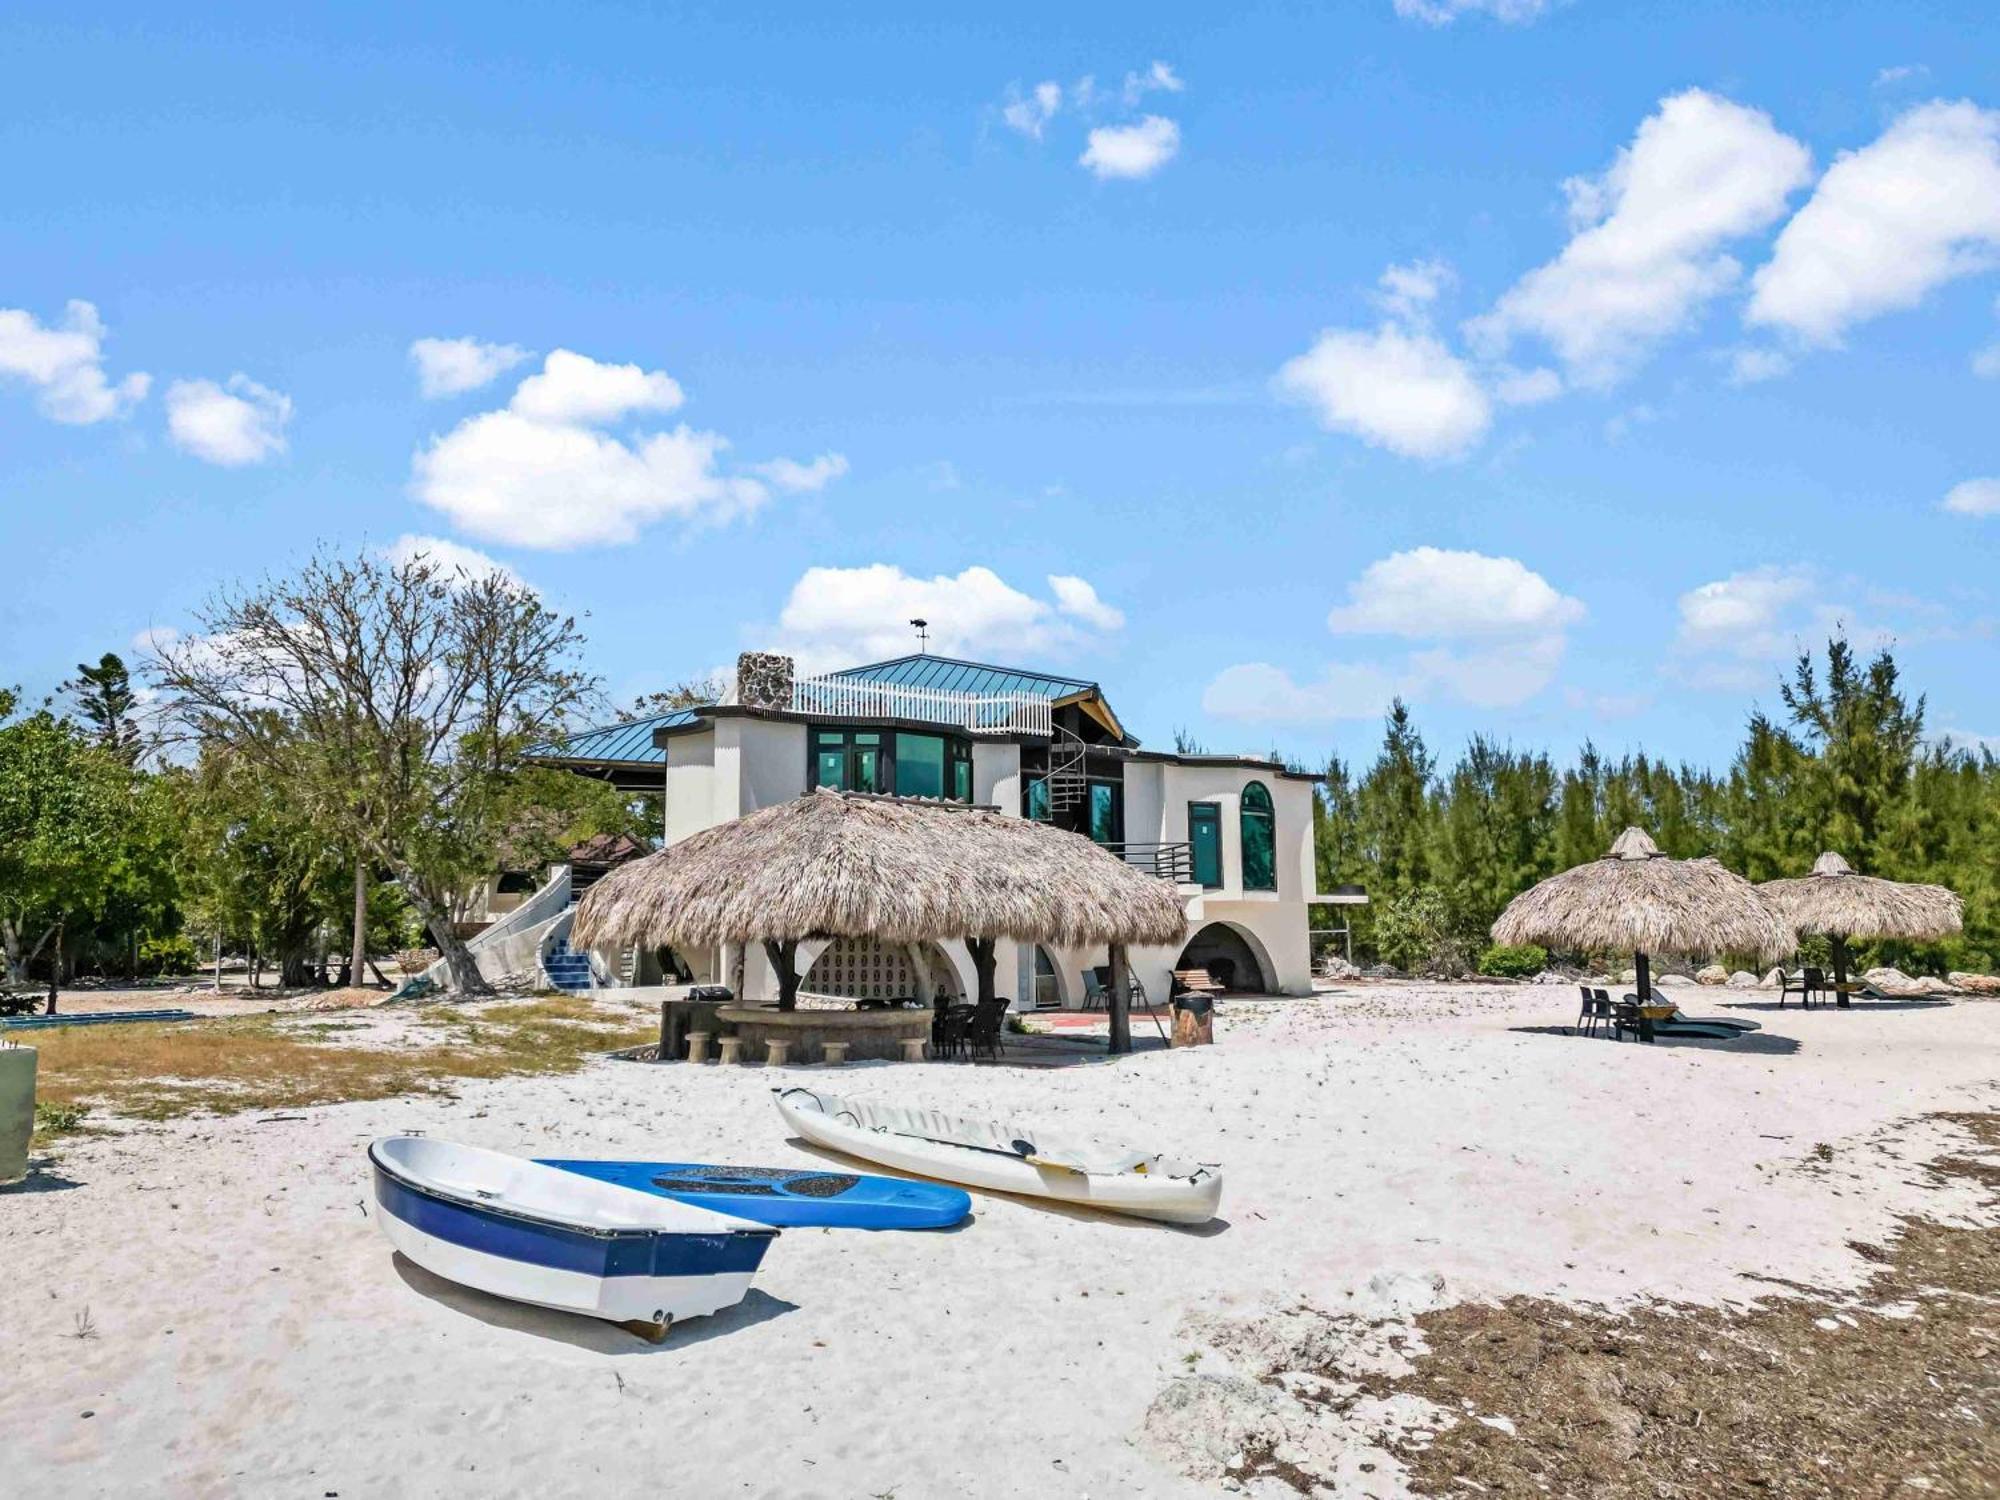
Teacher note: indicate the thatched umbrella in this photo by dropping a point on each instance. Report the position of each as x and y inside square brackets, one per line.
[1637, 900]
[842, 864]
[1841, 904]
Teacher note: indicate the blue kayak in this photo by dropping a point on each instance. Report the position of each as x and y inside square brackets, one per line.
[802, 1197]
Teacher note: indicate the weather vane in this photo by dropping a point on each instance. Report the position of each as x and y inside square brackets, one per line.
[923, 634]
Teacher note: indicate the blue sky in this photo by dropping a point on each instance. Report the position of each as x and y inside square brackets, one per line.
[1559, 366]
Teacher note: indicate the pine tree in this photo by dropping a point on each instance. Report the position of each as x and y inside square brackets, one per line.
[104, 697]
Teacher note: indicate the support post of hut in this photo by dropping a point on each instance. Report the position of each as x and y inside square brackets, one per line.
[981, 950]
[1643, 967]
[1120, 1003]
[1840, 971]
[781, 955]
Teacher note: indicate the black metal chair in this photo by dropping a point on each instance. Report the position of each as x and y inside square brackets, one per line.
[1586, 1018]
[983, 1029]
[947, 1029]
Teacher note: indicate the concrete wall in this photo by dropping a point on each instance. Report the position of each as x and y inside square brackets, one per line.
[996, 775]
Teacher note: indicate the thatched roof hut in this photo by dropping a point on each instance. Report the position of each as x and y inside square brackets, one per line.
[1636, 900]
[842, 864]
[1836, 902]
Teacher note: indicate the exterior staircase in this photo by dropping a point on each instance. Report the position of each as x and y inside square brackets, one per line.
[567, 969]
[1068, 785]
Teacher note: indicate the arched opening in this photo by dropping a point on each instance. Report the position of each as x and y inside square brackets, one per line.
[1048, 981]
[1231, 959]
[866, 969]
[1260, 839]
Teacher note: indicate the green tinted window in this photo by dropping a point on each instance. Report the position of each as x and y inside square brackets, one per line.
[919, 765]
[961, 779]
[1260, 840]
[1038, 799]
[831, 769]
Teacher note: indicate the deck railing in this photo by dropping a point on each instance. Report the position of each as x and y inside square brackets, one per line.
[858, 698]
[1173, 862]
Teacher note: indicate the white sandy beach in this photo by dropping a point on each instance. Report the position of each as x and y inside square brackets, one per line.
[1386, 1147]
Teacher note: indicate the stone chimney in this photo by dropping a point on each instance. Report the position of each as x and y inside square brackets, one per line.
[763, 680]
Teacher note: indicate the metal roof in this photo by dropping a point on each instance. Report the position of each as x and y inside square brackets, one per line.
[974, 677]
[630, 743]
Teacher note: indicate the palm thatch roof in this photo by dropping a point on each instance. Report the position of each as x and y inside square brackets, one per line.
[840, 864]
[1636, 900]
[1839, 903]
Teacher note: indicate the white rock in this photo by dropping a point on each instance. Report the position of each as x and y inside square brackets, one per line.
[1712, 974]
[1742, 979]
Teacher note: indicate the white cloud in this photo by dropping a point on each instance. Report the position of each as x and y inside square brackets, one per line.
[1031, 112]
[1749, 366]
[1077, 599]
[233, 424]
[1431, 593]
[1974, 497]
[1902, 73]
[793, 477]
[1986, 363]
[838, 617]
[1527, 387]
[1395, 388]
[1408, 290]
[1444, 12]
[65, 365]
[1734, 631]
[539, 472]
[1646, 252]
[1887, 224]
[1159, 78]
[1260, 693]
[1131, 151]
[450, 367]
[1494, 634]
[574, 388]
[453, 557]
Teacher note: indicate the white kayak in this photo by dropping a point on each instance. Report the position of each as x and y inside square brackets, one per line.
[1007, 1157]
[520, 1230]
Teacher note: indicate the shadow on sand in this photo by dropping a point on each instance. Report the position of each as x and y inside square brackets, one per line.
[40, 1180]
[1756, 1043]
[578, 1331]
[1916, 1002]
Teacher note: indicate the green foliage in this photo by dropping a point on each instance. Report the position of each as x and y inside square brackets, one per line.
[104, 697]
[1847, 768]
[171, 954]
[1415, 933]
[1513, 961]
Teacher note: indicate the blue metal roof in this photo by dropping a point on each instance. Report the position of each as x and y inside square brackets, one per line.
[965, 677]
[629, 743]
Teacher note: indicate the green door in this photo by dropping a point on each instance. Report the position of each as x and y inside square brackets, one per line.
[1205, 833]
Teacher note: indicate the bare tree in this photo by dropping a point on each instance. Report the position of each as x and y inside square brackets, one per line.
[394, 700]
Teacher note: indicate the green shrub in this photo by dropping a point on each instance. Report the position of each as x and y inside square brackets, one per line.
[173, 954]
[1510, 961]
[1414, 933]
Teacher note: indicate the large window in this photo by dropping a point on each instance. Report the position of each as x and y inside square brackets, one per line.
[1260, 839]
[1107, 812]
[909, 765]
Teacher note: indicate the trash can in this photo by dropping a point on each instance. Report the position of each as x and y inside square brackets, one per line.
[1194, 1020]
[17, 1109]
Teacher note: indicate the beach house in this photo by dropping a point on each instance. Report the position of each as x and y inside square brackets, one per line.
[1233, 834]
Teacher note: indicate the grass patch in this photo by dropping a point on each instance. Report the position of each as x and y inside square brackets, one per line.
[263, 1062]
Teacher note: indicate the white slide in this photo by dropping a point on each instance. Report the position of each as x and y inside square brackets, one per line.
[1007, 1157]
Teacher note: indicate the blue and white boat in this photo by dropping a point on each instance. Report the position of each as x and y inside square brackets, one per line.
[528, 1232]
[791, 1197]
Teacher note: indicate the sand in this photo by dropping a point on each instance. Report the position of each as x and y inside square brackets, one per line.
[1387, 1148]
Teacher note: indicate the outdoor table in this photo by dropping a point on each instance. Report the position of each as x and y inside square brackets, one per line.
[1646, 1015]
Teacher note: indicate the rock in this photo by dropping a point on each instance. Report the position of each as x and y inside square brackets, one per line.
[1742, 979]
[1550, 976]
[1336, 967]
[1975, 984]
[1383, 971]
[1713, 974]
[1773, 979]
[1896, 982]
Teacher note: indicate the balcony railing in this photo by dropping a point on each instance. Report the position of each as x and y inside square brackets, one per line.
[857, 698]
[1173, 862]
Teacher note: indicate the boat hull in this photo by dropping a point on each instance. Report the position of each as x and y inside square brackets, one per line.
[1172, 1199]
[629, 1272]
[789, 1197]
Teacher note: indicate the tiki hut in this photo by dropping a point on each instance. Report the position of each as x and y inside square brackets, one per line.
[843, 864]
[1835, 901]
[1636, 900]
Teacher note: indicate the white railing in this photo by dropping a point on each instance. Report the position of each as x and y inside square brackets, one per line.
[857, 698]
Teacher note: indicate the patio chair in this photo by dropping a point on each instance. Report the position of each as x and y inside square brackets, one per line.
[983, 1029]
[1810, 982]
[1095, 995]
[1619, 1018]
[947, 1029]
[1586, 1016]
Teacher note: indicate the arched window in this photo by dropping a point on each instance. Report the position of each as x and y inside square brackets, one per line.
[1260, 840]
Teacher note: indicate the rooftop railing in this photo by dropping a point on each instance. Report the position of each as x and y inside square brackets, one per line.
[858, 698]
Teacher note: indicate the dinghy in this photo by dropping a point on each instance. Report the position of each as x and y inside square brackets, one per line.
[792, 1197]
[1007, 1157]
[521, 1230]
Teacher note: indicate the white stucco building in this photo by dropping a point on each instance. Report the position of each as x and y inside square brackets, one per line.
[1232, 833]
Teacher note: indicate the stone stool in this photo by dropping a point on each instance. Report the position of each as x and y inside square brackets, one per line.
[913, 1049]
[698, 1046]
[833, 1053]
[775, 1058]
[732, 1049]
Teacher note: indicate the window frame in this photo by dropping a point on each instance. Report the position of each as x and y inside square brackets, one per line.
[1245, 817]
[848, 739]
